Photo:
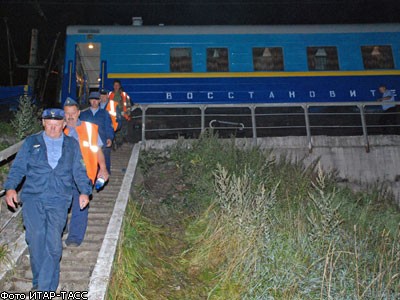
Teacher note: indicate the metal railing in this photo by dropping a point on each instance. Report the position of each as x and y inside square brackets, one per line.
[359, 111]
[5, 155]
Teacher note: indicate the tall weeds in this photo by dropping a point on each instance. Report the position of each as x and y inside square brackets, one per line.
[261, 228]
[278, 230]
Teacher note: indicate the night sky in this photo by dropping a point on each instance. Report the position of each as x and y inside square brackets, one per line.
[52, 16]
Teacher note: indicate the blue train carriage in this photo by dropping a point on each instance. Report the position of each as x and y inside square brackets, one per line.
[234, 64]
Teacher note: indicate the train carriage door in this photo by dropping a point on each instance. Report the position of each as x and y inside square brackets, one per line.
[87, 70]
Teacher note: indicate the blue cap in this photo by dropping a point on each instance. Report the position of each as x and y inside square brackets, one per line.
[94, 95]
[53, 114]
[70, 102]
[103, 92]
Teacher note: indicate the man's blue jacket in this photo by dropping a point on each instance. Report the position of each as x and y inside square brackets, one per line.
[103, 120]
[43, 182]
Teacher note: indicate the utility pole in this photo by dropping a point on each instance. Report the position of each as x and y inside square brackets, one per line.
[50, 64]
[10, 67]
[33, 60]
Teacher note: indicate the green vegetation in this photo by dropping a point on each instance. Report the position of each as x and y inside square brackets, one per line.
[3, 253]
[4, 145]
[6, 129]
[249, 226]
[26, 119]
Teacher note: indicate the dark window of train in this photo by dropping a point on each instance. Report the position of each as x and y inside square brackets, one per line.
[322, 58]
[268, 59]
[217, 60]
[180, 60]
[377, 57]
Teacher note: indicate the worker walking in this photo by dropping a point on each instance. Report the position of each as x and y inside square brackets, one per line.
[113, 109]
[51, 164]
[102, 119]
[124, 101]
[87, 134]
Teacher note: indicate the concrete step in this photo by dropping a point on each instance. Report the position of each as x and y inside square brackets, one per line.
[99, 216]
[94, 230]
[89, 260]
[99, 209]
[73, 285]
[18, 285]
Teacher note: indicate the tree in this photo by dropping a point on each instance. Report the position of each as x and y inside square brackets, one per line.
[26, 119]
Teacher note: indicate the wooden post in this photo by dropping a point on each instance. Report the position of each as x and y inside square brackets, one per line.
[33, 60]
[10, 66]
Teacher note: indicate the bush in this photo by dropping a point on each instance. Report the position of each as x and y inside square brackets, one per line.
[26, 119]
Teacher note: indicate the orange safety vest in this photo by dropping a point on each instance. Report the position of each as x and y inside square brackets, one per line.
[125, 98]
[88, 134]
[112, 110]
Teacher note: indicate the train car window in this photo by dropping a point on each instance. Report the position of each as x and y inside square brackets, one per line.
[268, 59]
[217, 60]
[377, 57]
[180, 60]
[322, 58]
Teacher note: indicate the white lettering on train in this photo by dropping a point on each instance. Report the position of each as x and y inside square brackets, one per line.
[229, 95]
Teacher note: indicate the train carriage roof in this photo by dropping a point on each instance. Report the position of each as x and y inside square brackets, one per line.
[232, 29]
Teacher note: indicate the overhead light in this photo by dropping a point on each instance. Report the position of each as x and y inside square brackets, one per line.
[375, 51]
[266, 53]
[321, 53]
[215, 54]
[137, 21]
[90, 46]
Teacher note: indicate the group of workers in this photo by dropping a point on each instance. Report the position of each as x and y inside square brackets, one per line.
[60, 166]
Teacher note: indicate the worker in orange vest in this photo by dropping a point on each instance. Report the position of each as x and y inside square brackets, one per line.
[87, 134]
[122, 98]
[112, 107]
[124, 101]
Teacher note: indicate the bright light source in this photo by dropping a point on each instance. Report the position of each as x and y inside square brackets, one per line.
[99, 79]
[90, 46]
[216, 53]
[321, 53]
[266, 52]
[375, 51]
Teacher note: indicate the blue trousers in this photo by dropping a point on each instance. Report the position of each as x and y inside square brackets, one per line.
[107, 156]
[44, 221]
[79, 219]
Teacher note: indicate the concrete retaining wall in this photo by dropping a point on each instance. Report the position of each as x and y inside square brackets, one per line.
[346, 155]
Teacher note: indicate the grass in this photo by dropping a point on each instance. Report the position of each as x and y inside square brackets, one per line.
[132, 264]
[3, 253]
[6, 129]
[259, 228]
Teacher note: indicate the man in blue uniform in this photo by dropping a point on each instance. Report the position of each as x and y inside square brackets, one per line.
[389, 116]
[95, 164]
[102, 119]
[51, 163]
